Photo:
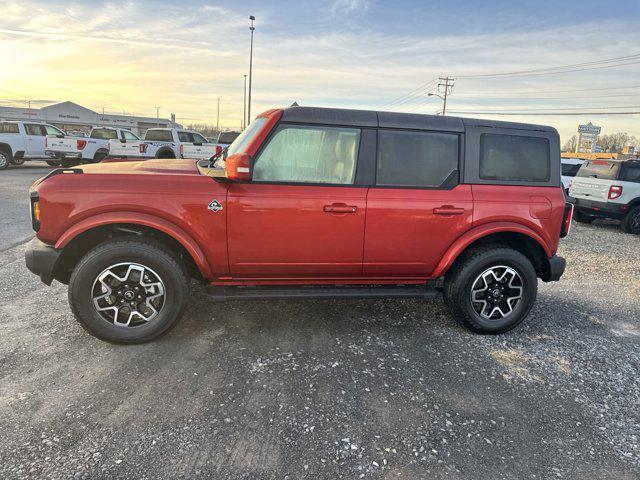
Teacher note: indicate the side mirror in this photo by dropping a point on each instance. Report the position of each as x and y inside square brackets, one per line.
[238, 167]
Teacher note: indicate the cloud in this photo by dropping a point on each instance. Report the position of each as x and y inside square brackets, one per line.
[345, 7]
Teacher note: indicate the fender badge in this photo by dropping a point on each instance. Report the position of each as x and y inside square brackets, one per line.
[215, 206]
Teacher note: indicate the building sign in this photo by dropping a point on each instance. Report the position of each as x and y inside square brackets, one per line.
[587, 138]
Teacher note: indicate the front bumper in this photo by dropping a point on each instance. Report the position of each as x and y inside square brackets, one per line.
[41, 259]
[599, 209]
[63, 155]
[553, 269]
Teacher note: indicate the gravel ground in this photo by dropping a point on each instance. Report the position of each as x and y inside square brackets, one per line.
[332, 389]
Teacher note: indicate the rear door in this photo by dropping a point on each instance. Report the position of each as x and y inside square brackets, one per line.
[303, 213]
[417, 207]
[34, 144]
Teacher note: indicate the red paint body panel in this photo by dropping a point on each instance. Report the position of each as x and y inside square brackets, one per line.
[406, 235]
[284, 230]
[519, 204]
[176, 204]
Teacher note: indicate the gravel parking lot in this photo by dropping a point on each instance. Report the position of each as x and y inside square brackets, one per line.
[326, 389]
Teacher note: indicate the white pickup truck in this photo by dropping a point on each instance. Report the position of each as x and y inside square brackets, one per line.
[70, 150]
[165, 143]
[20, 141]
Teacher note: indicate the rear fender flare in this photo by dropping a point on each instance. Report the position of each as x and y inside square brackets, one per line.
[477, 233]
[146, 220]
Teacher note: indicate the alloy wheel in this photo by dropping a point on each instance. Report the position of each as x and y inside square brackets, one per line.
[496, 292]
[128, 294]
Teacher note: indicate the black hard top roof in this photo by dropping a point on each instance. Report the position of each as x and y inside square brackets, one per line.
[371, 118]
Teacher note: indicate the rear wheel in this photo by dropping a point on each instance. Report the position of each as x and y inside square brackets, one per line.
[491, 289]
[631, 222]
[581, 217]
[128, 291]
[100, 155]
[5, 158]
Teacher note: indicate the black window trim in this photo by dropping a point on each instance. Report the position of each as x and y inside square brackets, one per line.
[471, 168]
[453, 179]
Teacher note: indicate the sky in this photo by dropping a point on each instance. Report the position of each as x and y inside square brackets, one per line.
[132, 56]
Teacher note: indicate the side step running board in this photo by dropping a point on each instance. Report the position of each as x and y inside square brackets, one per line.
[301, 292]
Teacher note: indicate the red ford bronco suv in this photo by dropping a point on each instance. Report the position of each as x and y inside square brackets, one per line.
[311, 202]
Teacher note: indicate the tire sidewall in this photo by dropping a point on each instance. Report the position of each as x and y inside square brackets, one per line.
[4, 160]
[530, 287]
[87, 271]
[627, 223]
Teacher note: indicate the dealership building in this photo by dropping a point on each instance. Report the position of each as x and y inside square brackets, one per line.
[70, 116]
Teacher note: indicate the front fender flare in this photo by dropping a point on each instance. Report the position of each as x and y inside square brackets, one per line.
[146, 220]
[476, 233]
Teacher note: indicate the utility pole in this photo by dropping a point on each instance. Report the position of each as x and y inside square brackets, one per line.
[251, 28]
[244, 105]
[157, 115]
[447, 83]
[218, 120]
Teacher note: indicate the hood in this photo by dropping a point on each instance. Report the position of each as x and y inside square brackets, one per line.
[144, 167]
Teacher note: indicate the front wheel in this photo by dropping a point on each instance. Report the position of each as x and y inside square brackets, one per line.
[17, 160]
[631, 222]
[491, 289]
[128, 290]
[5, 159]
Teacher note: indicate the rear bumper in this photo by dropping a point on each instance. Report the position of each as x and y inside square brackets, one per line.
[554, 268]
[599, 209]
[63, 155]
[41, 259]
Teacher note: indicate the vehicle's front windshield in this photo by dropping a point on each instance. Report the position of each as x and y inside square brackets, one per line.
[240, 144]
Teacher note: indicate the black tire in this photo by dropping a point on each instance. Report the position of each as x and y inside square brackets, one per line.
[580, 217]
[156, 259]
[631, 222]
[5, 158]
[17, 161]
[53, 163]
[166, 154]
[460, 281]
[100, 155]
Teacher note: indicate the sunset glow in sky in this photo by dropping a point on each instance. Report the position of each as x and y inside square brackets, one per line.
[134, 55]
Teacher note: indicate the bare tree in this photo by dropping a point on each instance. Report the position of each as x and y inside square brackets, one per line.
[570, 145]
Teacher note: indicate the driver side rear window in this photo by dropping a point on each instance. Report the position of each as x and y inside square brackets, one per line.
[514, 158]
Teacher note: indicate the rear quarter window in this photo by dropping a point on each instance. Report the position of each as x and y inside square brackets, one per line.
[9, 128]
[631, 172]
[599, 169]
[514, 158]
[570, 170]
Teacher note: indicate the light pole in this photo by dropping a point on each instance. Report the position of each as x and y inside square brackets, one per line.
[251, 28]
[440, 97]
[244, 105]
[218, 120]
[157, 115]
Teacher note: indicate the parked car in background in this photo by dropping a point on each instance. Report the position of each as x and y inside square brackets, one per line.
[608, 189]
[70, 150]
[286, 219]
[227, 138]
[165, 143]
[20, 141]
[570, 167]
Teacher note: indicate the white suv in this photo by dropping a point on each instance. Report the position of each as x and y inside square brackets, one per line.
[608, 189]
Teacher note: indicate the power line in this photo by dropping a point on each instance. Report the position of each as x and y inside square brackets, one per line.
[412, 95]
[563, 68]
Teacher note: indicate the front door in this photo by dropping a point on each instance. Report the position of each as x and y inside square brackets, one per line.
[417, 209]
[301, 216]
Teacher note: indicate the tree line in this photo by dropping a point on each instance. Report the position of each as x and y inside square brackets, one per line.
[612, 142]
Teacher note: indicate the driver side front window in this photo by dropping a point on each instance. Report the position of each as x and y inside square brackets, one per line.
[309, 154]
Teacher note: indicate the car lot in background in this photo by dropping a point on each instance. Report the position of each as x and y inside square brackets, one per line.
[570, 167]
[165, 143]
[326, 389]
[20, 141]
[608, 189]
